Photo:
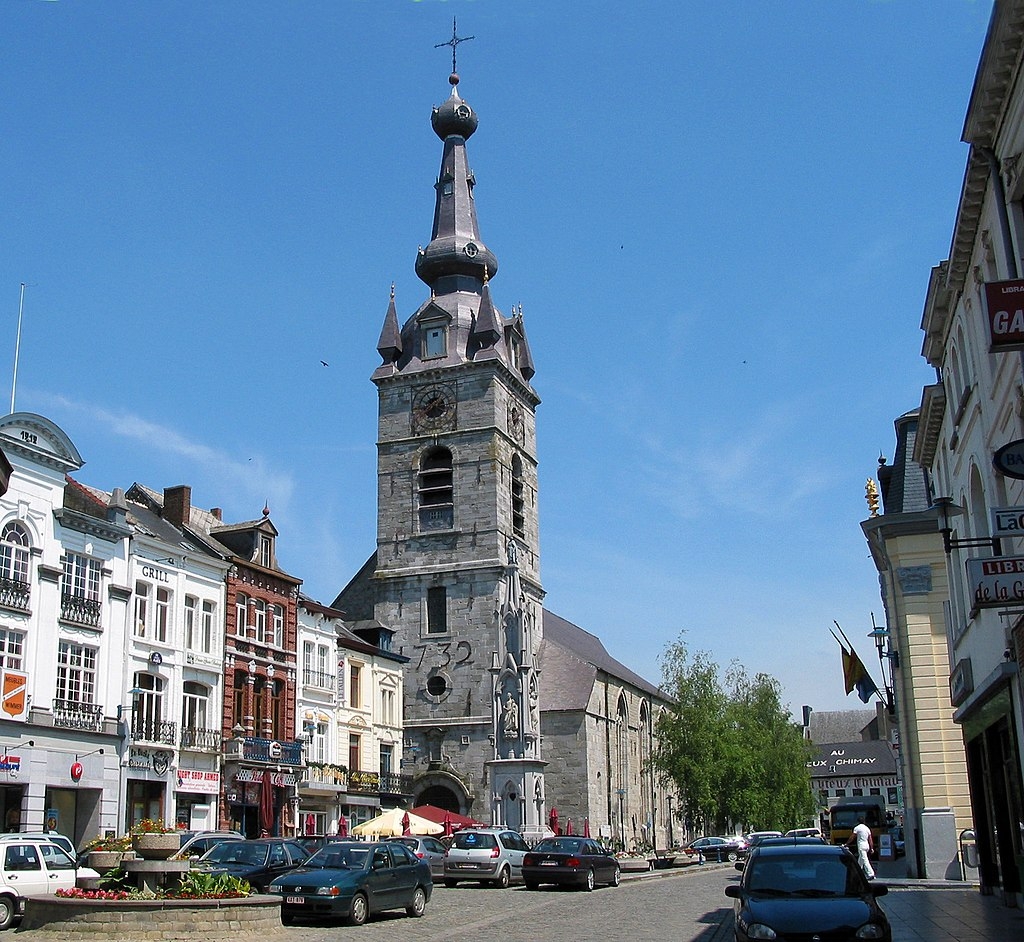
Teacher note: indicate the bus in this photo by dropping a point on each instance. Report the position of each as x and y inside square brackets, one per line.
[845, 813]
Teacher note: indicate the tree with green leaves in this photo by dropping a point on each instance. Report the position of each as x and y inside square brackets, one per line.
[732, 748]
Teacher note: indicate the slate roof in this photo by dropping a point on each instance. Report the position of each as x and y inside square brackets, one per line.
[904, 483]
[570, 659]
[832, 726]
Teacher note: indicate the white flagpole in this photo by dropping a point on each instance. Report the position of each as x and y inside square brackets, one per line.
[17, 345]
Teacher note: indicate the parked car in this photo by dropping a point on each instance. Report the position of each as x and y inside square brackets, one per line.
[490, 855]
[804, 832]
[201, 841]
[258, 861]
[753, 838]
[354, 879]
[806, 890]
[570, 861]
[429, 849]
[64, 843]
[31, 866]
[313, 842]
[716, 848]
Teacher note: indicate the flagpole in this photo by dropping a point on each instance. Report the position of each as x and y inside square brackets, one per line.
[17, 345]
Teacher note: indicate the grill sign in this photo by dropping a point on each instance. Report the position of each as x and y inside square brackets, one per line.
[1009, 460]
[1004, 302]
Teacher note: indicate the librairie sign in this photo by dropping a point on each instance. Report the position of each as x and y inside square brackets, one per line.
[1004, 306]
[996, 581]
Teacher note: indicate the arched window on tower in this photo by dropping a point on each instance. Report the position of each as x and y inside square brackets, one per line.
[435, 486]
[518, 525]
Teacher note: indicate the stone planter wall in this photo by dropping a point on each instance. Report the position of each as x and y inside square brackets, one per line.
[156, 846]
[217, 920]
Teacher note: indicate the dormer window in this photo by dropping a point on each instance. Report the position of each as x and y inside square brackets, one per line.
[435, 341]
[266, 552]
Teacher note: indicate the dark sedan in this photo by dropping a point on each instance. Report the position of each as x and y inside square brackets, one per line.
[353, 879]
[717, 848]
[807, 891]
[570, 861]
[257, 861]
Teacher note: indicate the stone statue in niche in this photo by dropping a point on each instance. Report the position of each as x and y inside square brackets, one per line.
[510, 718]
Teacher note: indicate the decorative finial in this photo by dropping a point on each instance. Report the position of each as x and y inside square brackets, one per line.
[871, 495]
[882, 460]
[266, 509]
[486, 275]
[392, 291]
[453, 79]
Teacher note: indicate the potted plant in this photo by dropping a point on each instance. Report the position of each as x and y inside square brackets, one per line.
[154, 840]
[106, 853]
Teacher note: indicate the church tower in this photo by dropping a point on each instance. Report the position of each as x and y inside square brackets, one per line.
[456, 575]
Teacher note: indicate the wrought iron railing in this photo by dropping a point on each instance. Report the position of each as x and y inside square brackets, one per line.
[200, 740]
[162, 731]
[15, 594]
[80, 610]
[393, 783]
[72, 714]
[312, 678]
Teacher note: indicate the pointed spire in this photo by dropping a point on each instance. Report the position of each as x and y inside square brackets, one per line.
[389, 346]
[486, 331]
[526, 366]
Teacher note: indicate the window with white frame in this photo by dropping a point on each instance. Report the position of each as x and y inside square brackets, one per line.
[81, 577]
[12, 646]
[388, 699]
[152, 611]
[316, 665]
[76, 672]
[266, 552]
[14, 552]
[260, 620]
[318, 745]
[241, 614]
[195, 706]
[199, 624]
[276, 626]
[149, 704]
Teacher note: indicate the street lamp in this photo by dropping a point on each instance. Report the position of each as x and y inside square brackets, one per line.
[945, 509]
[671, 842]
[883, 644]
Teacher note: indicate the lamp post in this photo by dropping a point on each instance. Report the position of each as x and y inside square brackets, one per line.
[945, 510]
[671, 842]
[883, 644]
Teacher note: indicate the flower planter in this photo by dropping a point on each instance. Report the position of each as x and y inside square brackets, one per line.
[634, 864]
[156, 846]
[104, 860]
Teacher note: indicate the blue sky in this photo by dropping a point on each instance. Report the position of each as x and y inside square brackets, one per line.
[719, 219]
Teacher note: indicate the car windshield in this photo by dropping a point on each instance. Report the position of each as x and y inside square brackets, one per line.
[559, 845]
[338, 857]
[238, 852]
[472, 840]
[804, 875]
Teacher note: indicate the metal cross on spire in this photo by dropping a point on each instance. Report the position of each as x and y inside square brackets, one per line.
[453, 42]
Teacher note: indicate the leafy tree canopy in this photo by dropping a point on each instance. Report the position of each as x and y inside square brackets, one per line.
[731, 747]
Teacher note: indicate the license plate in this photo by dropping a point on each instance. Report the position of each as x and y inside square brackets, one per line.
[549, 863]
[295, 900]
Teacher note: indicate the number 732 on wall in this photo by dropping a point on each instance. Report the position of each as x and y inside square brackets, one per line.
[446, 653]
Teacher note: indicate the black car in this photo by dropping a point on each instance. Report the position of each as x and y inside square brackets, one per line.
[570, 861]
[257, 861]
[717, 848]
[807, 891]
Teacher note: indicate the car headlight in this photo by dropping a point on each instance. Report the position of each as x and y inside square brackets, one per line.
[758, 930]
[328, 891]
[870, 930]
[274, 888]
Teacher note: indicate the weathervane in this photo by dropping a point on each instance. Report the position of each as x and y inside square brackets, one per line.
[453, 42]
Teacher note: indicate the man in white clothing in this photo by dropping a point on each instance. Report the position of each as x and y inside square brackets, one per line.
[861, 837]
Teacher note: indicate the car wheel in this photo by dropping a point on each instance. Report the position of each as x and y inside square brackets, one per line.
[360, 910]
[6, 912]
[419, 903]
[616, 877]
[589, 885]
[732, 856]
[451, 883]
[531, 884]
[504, 879]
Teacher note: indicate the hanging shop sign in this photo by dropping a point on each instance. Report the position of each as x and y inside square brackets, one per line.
[1009, 459]
[1007, 521]
[198, 781]
[996, 581]
[1004, 309]
[14, 695]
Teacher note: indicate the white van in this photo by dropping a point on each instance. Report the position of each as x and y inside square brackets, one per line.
[31, 866]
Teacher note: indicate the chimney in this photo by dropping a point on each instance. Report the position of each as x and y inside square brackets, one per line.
[217, 513]
[178, 505]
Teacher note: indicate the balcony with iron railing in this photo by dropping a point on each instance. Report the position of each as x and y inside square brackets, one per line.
[73, 714]
[325, 777]
[15, 595]
[315, 678]
[156, 731]
[80, 611]
[200, 740]
[272, 750]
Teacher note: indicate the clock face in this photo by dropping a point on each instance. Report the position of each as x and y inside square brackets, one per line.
[433, 410]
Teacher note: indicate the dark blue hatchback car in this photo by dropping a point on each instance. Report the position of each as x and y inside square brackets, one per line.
[806, 891]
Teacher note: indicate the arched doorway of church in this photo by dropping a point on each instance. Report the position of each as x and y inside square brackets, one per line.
[440, 797]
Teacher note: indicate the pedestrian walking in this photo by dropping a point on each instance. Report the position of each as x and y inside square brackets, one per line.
[861, 839]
